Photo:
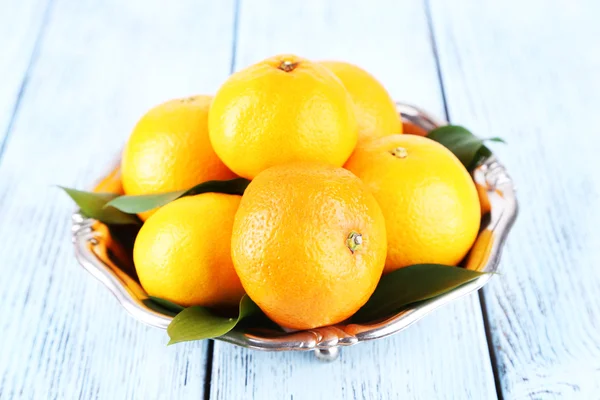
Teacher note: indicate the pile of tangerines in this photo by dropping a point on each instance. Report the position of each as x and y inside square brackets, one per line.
[338, 195]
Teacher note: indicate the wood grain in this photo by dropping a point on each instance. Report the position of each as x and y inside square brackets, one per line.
[22, 25]
[100, 66]
[77, 74]
[528, 72]
[443, 356]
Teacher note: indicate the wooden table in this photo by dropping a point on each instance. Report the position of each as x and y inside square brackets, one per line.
[76, 75]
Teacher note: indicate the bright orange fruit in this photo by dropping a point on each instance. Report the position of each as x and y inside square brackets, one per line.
[169, 150]
[308, 244]
[111, 183]
[183, 252]
[375, 110]
[283, 109]
[428, 198]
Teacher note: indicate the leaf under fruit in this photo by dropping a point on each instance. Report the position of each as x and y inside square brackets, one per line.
[198, 323]
[163, 306]
[468, 148]
[141, 203]
[410, 285]
[94, 205]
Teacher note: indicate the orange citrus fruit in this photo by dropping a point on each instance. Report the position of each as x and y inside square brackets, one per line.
[428, 198]
[169, 150]
[375, 110]
[183, 251]
[111, 183]
[281, 110]
[308, 244]
[413, 129]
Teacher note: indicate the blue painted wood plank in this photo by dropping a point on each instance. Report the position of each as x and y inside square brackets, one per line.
[446, 354]
[100, 66]
[22, 24]
[528, 72]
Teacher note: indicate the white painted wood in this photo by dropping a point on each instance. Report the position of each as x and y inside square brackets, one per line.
[388, 38]
[100, 66]
[443, 356]
[440, 357]
[528, 72]
[21, 23]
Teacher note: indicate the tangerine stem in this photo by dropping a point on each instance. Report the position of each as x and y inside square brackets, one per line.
[399, 152]
[288, 65]
[354, 241]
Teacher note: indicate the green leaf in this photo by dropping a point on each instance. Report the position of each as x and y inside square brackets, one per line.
[141, 203]
[197, 323]
[410, 285]
[163, 306]
[468, 148]
[94, 205]
[167, 304]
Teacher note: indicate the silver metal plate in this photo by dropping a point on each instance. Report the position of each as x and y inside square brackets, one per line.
[95, 249]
